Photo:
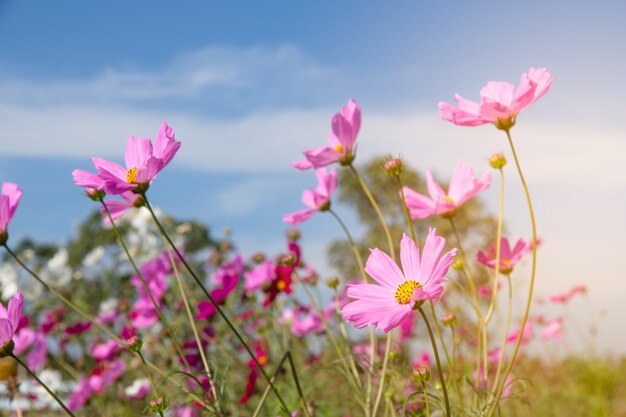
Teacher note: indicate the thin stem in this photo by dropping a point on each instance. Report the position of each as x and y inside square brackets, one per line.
[498, 250]
[86, 316]
[279, 367]
[426, 399]
[374, 204]
[48, 390]
[532, 277]
[442, 379]
[506, 331]
[466, 270]
[194, 329]
[219, 309]
[154, 389]
[294, 374]
[383, 373]
[406, 209]
[355, 249]
[445, 350]
[120, 239]
[344, 334]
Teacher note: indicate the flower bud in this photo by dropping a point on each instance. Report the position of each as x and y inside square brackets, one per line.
[133, 344]
[258, 257]
[497, 161]
[332, 282]
[457, 264]
[449, 319]
[288, 260]
[158, 405]
[293, 234]
[95, 195]
[8, 369]
[394, 167]
[7, 349]
[421, 374]
[393, 355]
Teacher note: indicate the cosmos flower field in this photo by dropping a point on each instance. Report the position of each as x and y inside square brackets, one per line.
[433, 313]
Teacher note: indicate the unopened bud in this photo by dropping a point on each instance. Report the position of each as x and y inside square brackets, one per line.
[133, 344]
[226, 245]
[449, 319]
[158, 405]
[457, 264]
[421, 374]
[288, 260]
[393, 355]
[7, 349]
[394, 167]
[95, 195]
[293, 234]
[332, 282]
[497, 161]
[258, 257]
[8, 369]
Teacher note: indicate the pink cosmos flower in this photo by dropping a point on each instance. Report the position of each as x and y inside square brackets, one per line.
[527, 335]
[508, 257]
[259, 276]
[553, 329]
[317, 199]
[346, 125]
[33, 342]
[9, 322]
[386, 305]
[117, 208]
[463, 186]
[143, 162]
[500, 102]
[105, 351]
[9, 199]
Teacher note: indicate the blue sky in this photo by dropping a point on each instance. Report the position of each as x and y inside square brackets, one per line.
[248, 86]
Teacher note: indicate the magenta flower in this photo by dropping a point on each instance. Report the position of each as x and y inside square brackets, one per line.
[499, 102]
[33, 342]
[9, 199]
[9, 321]
[346, 125]
[386, 305]
[553, 329]
[317, 199]
[260, 276]
[463, 186]
[508, 257]
[143, 162]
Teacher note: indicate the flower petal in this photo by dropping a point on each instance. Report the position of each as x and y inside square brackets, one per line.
[383, 269]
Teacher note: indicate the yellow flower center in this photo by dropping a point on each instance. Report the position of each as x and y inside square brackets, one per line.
[263, 360]
[448, 200]
[405, 291]
[281, 285]
[339, 148]
[131, 175]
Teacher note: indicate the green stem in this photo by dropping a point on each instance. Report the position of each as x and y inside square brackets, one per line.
[383, 373]
[498, 250]
[294, 374]
[442, 379]
[86, 316]
[506, 331]
[426, 399]
[154, 389]
[353, 245]
[532, 278]
[466, 270]
[374, 204]
[48, 390]
[279, 367]
[120, 239]
[406, 209]
[219, 309]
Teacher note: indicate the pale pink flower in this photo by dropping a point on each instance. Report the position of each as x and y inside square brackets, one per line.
[117, 208]
[526, 336]
[508, 257]
[9, 199]
[346, 125]
[553, 329]
[105, 351]
[317, 199]
[500, 102]
[33, 342]
[142, 160]
[9, 321]
[463, 186]
[387, 304]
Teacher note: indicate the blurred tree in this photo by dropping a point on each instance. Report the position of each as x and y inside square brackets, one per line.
[476, 227]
